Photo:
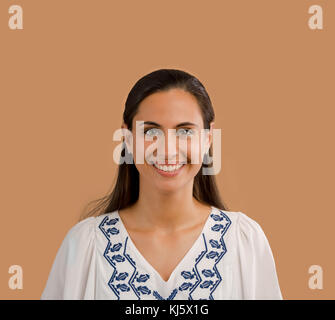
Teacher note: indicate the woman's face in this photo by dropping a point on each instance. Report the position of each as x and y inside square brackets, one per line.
[169, 110]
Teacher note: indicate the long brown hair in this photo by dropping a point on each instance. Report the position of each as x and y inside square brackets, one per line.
[126, 188]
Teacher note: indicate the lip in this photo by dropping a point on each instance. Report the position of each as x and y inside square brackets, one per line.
[169, 174]
[169, 164]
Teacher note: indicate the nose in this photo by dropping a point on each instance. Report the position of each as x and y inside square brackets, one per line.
[167, 149]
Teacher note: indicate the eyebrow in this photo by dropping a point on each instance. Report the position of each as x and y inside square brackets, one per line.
[182, 124]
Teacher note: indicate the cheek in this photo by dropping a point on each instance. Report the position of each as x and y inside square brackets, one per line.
[145, 154]
[193, 151]
[141, 150]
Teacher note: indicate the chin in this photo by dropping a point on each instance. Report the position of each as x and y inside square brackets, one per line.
[167, 189]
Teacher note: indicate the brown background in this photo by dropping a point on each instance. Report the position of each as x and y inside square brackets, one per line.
[64, 81]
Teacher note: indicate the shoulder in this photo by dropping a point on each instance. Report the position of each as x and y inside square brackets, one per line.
[249, 231]
[248, 238]
[88, 225]
[250, 235]
[239, 219]
[81, 233]
[241, 224]
[248, 225]
[73, 262]
[83, 225]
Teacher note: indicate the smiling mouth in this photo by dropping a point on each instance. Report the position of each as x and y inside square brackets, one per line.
[170, 170]
[169, 167]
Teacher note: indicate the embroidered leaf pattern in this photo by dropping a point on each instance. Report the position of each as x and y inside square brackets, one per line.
[122, 276]
[185, 286]
[211, 254]
[112, 221]
[123, 287]
[206, 284]
[214, 243]
[116, 247]
[144, 289]
[187, 274]
[113, 230]
[217, 227]
[216, 217]
[143, 278]
[208, 273]
[118, 258]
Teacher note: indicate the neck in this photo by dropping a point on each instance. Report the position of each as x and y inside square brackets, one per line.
[168, 211]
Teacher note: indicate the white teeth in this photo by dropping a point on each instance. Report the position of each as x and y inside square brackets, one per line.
[168, 168]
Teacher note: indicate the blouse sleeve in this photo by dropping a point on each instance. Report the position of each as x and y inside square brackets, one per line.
[258, 270]
[72, 272]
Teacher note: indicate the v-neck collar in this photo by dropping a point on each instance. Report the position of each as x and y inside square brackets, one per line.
[188, 254]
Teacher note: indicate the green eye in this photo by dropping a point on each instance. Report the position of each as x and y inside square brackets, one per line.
[180, 132]
[152, 132]
[185, 132]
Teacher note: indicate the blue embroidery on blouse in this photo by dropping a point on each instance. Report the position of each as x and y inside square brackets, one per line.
[199, 283]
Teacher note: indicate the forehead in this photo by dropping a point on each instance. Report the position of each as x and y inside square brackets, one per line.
[169, 108]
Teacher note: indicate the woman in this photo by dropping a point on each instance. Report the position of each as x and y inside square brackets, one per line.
[164, 233]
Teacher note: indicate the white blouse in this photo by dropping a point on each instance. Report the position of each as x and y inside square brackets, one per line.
[231, 259]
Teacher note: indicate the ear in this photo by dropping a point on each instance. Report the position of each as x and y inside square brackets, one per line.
[210, 136]
[127, 138]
